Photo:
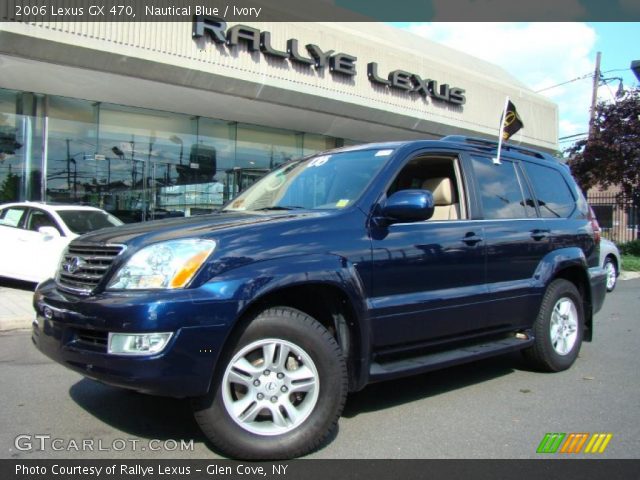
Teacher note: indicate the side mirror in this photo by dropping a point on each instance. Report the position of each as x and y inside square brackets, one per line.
[49, 232]
[409, 206]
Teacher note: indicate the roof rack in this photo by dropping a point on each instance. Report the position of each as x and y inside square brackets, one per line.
[493, 145]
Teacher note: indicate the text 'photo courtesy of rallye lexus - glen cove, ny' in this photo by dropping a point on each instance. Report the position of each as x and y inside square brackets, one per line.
[343, 268]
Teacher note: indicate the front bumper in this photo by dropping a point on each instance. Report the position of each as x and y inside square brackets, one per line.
[73, 331]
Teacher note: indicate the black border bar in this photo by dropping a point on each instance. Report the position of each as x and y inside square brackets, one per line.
[561, 469]
[318, 10]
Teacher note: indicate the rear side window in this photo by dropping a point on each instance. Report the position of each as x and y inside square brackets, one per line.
[551, 191]
[500, 190]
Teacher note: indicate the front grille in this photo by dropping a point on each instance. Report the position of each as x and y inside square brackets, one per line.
[83, 265]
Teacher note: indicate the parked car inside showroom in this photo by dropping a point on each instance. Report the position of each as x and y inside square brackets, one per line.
[33, 236]
[611, 261]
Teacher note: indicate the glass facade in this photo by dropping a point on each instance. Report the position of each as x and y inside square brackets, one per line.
[136, 163]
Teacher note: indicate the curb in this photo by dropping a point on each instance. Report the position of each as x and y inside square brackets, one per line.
[7, 325]
[624, 275]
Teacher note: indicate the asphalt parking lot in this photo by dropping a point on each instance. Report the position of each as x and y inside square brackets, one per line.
[491, 409]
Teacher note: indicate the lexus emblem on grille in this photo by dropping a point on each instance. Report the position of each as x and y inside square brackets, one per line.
[73, 264]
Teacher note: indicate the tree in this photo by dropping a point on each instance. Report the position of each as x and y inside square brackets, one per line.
[611, 155]
[10, 188]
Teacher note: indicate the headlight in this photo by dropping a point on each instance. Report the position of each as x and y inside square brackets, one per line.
[138, 343]
[169, 264]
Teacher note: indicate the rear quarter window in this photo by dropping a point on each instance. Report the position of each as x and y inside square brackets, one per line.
[552, 192]
[500, 190]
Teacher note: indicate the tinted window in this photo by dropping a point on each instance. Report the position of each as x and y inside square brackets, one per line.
[11, 216]
[83, 221]
[552, 192]
[499, 189]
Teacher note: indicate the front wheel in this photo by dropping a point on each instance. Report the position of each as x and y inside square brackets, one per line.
[612, 274]
[279, 392]
[558, 329]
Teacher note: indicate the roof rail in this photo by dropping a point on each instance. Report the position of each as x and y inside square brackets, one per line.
[493, 145]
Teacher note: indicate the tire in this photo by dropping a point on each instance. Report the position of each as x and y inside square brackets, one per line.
[279, 411]
[612, 273]
[558, 329]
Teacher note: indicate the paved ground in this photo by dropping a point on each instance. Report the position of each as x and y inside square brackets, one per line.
[491, 409]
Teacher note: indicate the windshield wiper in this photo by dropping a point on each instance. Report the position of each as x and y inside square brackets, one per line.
[280, 207]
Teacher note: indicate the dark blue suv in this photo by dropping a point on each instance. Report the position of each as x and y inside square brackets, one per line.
[341, 269]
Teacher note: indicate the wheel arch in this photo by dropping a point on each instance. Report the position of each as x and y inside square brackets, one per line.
[578, 276]
[571, 265]
[615, 261]
[331, 306]
[331, 292]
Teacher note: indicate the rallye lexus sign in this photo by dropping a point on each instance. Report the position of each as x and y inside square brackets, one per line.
[313, 56]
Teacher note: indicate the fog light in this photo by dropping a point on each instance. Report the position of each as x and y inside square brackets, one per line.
[138, 343]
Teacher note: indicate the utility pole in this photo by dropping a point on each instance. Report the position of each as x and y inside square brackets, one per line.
[594, 93]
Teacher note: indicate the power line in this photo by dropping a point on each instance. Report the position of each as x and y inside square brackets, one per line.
[588, 75]
[567, 137]
[581, 77]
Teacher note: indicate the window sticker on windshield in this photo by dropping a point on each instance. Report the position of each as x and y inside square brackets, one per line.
[13, 217]
[316, 162]
[342, 203]
[238, 204]
[383, 153]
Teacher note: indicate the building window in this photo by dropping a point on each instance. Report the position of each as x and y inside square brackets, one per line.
[20, 146]
[136, 163]
[604, 214]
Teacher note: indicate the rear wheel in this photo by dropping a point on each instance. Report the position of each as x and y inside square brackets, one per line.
[558, 328]
[279, 392]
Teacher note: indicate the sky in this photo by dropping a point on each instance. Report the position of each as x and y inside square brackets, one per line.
[542, 55]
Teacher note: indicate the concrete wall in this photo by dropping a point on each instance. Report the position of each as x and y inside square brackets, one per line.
[159, 65]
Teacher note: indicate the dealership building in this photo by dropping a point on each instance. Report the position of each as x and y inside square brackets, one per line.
[153, 119]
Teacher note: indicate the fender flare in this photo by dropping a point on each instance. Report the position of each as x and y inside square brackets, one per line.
[249, 284]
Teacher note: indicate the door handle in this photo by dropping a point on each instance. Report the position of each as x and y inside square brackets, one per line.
[471, 238]
[539, 234]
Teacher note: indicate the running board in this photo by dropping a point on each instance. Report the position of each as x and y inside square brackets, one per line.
[435, 361]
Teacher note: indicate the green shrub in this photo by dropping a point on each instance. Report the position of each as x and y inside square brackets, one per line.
[630, 248]
[631, 263]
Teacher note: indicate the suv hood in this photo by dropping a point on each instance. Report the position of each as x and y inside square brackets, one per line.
[200, 226]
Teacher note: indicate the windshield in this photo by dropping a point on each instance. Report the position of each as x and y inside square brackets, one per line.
[83, 221]
[330, 181]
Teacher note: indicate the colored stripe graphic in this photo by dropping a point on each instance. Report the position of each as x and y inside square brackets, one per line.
[598, 443]
[574, 442]
[550, 443]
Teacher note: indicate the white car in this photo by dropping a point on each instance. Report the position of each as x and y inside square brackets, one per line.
[34, 235]
[611, 262]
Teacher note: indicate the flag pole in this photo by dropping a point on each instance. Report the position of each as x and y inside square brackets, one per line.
[496, 161]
